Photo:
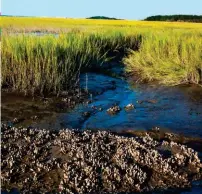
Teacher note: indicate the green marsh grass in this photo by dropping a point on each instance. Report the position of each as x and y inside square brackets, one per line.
[50, 63]
[170, 53]
[170, 57]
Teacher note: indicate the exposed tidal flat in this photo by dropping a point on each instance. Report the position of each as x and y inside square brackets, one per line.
[112, 81]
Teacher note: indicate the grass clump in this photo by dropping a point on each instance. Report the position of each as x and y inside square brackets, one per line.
[51, 64]
[170, 57]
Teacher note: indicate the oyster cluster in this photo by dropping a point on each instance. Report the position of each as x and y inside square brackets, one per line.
[71, 161]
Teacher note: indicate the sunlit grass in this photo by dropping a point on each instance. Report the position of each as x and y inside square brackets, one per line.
[50, 64]
[170, 53]
[28, 24]
[168, 57]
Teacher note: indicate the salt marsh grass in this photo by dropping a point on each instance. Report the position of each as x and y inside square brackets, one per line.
[50, 64]
[57, 25]
[170, 53]
[170, 57]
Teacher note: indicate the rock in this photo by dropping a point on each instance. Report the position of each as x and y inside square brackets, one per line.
[64, 93]
[152, 101]
[88, 102]
[35, 117]
[140, 101]
[169, 135]
[114, 110]
[45, 100]
[96, 108]
[65, 99]
[15, 121]
[93, 107]
[129, 107]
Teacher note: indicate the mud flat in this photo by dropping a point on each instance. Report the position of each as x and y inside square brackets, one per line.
[20, 110]
[72, 161]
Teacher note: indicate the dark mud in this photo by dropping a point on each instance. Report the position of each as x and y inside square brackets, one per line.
[20, 110]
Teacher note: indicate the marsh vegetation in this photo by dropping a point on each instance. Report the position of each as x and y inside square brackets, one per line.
[153, 51]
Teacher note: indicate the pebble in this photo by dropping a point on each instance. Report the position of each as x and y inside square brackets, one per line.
[129, 107]
[114, 110]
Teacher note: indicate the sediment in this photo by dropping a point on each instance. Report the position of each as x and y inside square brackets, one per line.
[71, 161]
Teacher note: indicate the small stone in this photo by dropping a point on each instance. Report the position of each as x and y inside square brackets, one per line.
[15, 120]
[64, 99]
[129, 107]
[114, 110]
[35, 117]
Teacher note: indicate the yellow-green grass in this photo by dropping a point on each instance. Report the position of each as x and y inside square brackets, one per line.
[170, 57]
[50, 63]
[28, 24]
[169, 53]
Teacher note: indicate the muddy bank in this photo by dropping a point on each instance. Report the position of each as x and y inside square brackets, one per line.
[20, 110]
[93, 162]
[43, 165]
[31, 111]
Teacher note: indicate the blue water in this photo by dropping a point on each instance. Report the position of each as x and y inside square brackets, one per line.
[176, 109]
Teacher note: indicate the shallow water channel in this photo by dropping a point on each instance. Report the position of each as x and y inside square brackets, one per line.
[174, 109]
